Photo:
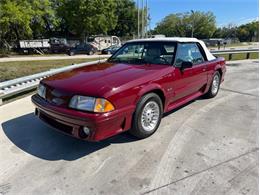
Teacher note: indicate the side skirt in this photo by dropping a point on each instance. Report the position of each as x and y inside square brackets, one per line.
[184, 100]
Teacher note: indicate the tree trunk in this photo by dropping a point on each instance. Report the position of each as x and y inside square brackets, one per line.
[14, 28]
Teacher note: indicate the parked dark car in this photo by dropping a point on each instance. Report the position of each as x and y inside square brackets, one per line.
[59, 45]
[110, 50]
[84, 48]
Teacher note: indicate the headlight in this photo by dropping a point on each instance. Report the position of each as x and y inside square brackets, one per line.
[41, 90]
[90, 104]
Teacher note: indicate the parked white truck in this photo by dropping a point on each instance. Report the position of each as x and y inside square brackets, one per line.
[31, 46]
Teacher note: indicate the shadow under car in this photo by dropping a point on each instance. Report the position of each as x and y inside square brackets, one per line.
[38, 139]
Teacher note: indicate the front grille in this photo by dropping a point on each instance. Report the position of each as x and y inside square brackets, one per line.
[60, 126]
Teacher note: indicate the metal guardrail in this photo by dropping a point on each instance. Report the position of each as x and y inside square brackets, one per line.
[19, 85]
[16, 86]
[231, 52]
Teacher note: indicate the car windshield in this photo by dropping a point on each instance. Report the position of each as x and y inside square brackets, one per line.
[145, 52]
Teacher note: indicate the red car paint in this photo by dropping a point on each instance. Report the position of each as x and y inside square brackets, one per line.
[123, 85]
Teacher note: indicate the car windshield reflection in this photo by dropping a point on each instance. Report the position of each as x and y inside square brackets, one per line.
[145, 53]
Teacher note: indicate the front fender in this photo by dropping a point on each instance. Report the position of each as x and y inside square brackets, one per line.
[148, 88]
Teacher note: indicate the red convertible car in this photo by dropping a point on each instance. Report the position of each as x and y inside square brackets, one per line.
[131, 90]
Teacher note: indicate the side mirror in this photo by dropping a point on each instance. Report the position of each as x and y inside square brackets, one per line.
[186, 64]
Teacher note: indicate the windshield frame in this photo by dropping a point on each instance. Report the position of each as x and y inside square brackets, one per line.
[175, 43]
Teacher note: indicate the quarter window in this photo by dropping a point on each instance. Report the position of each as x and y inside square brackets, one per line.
[188, 52]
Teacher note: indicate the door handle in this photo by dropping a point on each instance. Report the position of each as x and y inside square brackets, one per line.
[204, 69]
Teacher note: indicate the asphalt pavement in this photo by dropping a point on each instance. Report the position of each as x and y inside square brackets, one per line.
[209, 146]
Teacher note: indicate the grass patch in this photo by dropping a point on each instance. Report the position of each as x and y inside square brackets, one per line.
[12, 70]
[239, 56]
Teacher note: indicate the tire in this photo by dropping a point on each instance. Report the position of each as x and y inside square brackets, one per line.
[147, 116]
[90, 53]
[71, 53]
[214, 86]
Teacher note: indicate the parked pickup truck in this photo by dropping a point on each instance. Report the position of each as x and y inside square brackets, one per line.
[131, 90]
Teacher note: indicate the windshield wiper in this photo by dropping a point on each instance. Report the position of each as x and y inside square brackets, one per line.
[130, 61]
[115, 60]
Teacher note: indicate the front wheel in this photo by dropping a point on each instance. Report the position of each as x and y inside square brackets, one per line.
[214, 87]
[71, 53]
[90, 53]
[147, 116]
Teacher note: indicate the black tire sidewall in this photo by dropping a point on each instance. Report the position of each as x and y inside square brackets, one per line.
[137, 128]
[210, 94]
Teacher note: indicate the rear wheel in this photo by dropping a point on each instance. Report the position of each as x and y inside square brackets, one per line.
[214, 87]
[90, 53]
[147, 116]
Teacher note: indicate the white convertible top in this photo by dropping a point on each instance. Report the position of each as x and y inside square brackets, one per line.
[178, 39]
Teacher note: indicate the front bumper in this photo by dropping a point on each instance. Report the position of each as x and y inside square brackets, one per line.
[71, 122]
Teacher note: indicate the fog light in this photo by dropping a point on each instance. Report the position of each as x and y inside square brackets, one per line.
[86, 130]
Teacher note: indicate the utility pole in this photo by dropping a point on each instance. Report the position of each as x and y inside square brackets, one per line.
[142, 16]
[146, 18]
[138, 30]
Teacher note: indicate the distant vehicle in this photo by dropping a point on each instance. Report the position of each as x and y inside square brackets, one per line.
[59, 45]
[103, 42]
[34, 46]
[158, 36]
[110, 50]
[83, 48]
[41, 46]
[131, 90]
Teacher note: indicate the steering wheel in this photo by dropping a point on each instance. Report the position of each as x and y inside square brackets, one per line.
[161, 58]
[188, 59]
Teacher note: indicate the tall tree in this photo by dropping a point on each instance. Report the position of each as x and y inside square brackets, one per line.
[198, 24]
[248, 32]
[44, 21]
[15, 18]
[126, 13]
[87, 17]
[25, 18]
[245, 32]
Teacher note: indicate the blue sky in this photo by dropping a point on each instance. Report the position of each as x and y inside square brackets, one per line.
[226, 11]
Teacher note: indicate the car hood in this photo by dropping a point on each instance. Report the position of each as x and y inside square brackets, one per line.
[97, 80]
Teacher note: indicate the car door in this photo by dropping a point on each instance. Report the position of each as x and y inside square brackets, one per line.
[87, 49]
[189, 80]
[81, 48]
[199, 68]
